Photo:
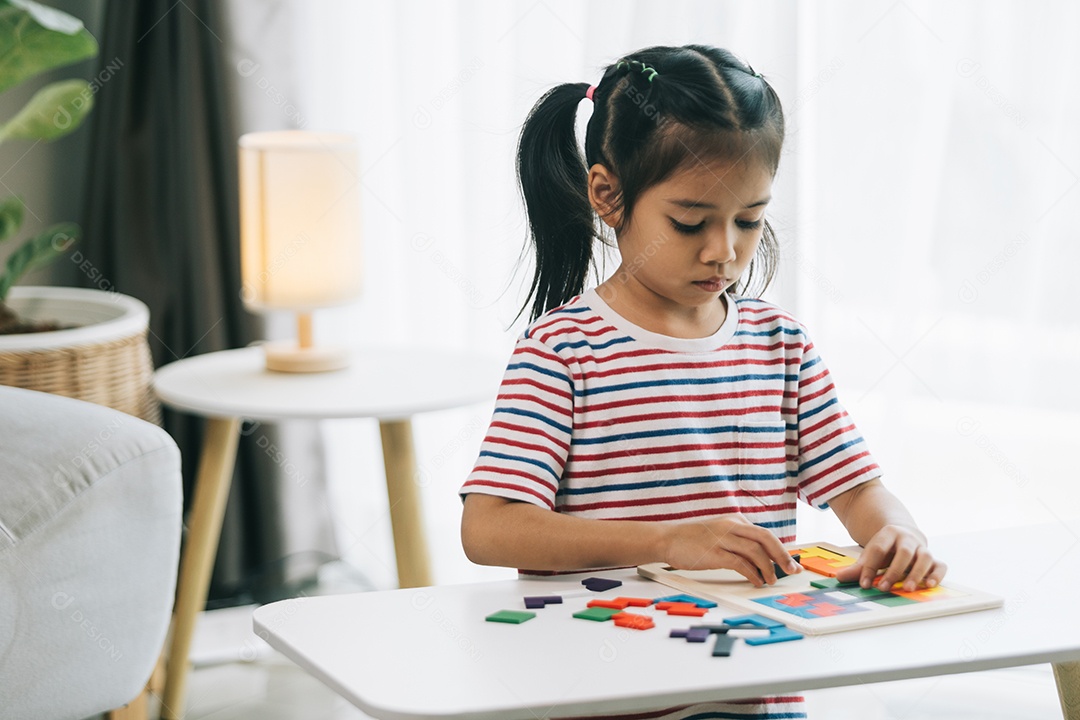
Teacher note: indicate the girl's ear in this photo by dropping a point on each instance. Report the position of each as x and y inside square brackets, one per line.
[603, 191]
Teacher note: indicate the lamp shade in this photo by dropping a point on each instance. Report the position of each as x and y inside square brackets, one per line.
[299, 219]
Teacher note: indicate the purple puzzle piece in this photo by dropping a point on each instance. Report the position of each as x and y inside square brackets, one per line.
[600, 584]
[678, 633]
[699, 635]
[535, 603]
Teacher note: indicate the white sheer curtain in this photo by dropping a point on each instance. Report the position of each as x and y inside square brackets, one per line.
[923, 204]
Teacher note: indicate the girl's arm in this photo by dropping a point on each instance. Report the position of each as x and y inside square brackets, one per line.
[498, 531]
[878, 521]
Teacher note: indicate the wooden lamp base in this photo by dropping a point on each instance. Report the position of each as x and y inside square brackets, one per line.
[304, 356]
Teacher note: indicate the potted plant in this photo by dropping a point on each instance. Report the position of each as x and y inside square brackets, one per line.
[82, 343]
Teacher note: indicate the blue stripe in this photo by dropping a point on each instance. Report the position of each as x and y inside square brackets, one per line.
[530, 461]
[687, 381]
[815, 411]
[770, 333]
[649, 484]
[535, 416]
[541, 370]
[678, 431]
[583, 343]
[812, 363]
[821, 458]
[571, 310]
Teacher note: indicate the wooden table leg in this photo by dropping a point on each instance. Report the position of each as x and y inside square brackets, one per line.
[1067, 676]
[403, 491]
[211, 491]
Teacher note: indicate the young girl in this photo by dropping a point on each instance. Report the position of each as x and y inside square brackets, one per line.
[668, 415]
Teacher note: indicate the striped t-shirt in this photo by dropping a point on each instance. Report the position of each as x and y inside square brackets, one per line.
[602, 419]
[599, 418]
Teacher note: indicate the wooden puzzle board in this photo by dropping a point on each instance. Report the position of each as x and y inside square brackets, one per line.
[794, 601]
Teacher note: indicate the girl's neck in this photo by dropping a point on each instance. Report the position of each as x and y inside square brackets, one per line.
[660, 315]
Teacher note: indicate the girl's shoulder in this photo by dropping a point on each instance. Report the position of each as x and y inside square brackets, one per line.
[755, 311]
[573, 315]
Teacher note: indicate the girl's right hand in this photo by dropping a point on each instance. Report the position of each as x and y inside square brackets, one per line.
[731, 542]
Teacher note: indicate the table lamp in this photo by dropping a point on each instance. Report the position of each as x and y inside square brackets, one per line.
[299, 235]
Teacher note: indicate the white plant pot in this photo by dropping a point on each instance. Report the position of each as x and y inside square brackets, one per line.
[100, 316]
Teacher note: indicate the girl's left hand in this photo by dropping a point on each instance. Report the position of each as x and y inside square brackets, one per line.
[903, 554]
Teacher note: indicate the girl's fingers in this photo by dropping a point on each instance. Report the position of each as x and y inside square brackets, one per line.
[924, 563]
[898, 568]
[936, 574]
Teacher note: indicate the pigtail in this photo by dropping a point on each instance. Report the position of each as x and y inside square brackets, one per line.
[552, 179]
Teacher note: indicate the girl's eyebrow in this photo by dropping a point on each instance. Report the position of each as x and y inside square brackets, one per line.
[710, 206]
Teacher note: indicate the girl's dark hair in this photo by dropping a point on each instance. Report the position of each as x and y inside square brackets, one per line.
[702, 103]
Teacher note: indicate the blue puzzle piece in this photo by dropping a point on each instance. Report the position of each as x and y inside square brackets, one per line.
[776, 634]
[687, 599]
[756, 620]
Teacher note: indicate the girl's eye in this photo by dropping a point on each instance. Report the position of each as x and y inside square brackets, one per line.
[693, 229]
[687, 229]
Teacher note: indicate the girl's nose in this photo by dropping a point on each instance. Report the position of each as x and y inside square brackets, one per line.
[719, 247]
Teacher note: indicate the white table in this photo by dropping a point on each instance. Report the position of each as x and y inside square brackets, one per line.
[427, 653]
[390, 385]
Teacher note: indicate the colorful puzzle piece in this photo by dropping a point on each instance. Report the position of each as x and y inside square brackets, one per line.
[631, 620]
[538, 602]
[597, 584]
[700, 602]
[822, 560]
[597, 614]
[755, 620]
[723, 645]
[682, 609]
[776, 635]
[515, 617]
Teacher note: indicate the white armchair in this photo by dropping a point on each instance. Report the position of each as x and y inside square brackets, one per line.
[90, 523]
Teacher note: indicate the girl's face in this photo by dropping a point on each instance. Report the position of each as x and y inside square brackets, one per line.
[689, 238]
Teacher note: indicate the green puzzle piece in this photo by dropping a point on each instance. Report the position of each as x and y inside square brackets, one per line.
[598, 614]
[866, 593]
[510, 616]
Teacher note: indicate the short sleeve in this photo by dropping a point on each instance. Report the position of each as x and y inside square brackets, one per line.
[524, 452]
[833, 456]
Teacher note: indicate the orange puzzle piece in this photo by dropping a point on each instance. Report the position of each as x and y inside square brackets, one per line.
[635, 622]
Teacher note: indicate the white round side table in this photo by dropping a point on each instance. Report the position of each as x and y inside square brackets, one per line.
[389, 385]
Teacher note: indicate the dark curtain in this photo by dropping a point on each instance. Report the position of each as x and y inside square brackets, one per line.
[161, 224]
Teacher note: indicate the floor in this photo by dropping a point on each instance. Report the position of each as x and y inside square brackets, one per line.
[238, 677]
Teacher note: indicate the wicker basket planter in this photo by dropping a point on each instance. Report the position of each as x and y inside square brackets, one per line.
[105, 360]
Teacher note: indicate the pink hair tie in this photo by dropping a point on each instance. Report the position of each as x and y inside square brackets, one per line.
[589, 92]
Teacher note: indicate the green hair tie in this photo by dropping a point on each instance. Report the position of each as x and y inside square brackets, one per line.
[644, 68]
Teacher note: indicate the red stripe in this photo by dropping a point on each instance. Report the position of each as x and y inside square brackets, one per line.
[652, 450]
[710, 365]
[704, 512]
[851, 476]
[569, 318]
[668, 500]
[537, 401]
[526, 431]
[756, 394]
[561, 391]
[638, 468]
[577, 330]
[847, 460]
[627, 419]
[825, 438]
[493, 440]
[516, 473]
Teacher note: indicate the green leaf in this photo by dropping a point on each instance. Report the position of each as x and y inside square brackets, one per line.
[54, 111]
[11, 216]
[35, 38]
[36, 252]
